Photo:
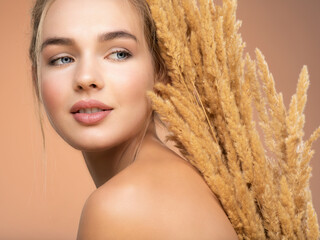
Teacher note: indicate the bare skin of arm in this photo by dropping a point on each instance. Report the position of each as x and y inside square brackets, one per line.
[159, 196]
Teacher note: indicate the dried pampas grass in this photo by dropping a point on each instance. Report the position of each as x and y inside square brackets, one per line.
[208, 109]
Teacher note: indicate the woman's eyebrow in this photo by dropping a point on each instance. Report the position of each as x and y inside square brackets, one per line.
[57, 41]
[102, 38]
[116, 34]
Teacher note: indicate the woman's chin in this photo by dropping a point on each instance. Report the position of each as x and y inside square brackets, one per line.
[96, 140]
[91, 145]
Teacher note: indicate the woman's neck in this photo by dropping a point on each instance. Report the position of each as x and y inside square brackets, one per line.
[106, 164]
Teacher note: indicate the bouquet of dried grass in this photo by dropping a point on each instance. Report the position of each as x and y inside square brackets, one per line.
[208, 108]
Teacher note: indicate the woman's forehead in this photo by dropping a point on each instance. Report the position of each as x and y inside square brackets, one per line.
[76, 18]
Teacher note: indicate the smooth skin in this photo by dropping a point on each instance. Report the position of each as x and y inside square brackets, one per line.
[96, 49]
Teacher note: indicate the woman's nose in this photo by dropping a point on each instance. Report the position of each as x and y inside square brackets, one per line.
[87, 77]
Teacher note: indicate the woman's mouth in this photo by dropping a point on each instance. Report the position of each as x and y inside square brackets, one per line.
[90, 112]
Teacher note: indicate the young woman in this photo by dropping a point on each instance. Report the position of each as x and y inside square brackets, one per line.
[93, 62]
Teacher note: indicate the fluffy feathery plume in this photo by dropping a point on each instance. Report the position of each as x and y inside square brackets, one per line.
[276, 107]
[312, 226]
[263, 185]
[208, 110]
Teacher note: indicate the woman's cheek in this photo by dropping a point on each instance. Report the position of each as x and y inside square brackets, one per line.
[53, 95]
[137, 84]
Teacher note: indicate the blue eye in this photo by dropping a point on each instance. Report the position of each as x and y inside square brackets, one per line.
[120, 55]
[61, 61]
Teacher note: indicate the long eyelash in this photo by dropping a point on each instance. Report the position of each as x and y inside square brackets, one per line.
[52, 62]
[120, 51]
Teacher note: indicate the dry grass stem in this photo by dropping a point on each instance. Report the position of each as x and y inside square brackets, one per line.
[208, 109]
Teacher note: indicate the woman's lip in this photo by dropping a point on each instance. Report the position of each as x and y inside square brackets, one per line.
[91, 118]
[91, 103]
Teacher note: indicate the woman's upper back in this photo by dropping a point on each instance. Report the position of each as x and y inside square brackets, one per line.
[160, 196]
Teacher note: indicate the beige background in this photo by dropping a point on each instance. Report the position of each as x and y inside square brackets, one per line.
[45, 202]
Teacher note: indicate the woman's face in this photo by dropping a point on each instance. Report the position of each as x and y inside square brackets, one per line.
[95, 69]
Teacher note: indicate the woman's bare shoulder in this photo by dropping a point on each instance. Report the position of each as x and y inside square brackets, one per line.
[159, 198]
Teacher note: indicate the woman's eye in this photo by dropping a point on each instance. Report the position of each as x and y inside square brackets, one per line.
[119, 55]
[61, 61]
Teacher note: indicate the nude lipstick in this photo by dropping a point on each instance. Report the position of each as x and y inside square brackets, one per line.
[90, 112]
